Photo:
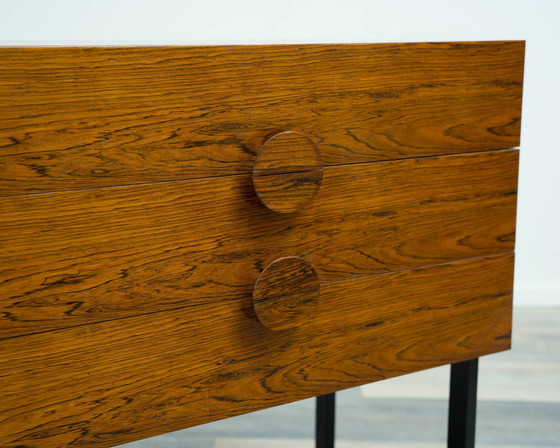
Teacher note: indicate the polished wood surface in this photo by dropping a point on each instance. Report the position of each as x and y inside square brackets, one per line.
[134, 237]
[286, 294]
[74, 258]
[117, 381]
[288, 172]
[75, 118]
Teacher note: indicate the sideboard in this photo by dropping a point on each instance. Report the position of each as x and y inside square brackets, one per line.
[193, 233]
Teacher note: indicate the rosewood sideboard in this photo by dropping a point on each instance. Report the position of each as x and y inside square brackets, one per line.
[193, 233]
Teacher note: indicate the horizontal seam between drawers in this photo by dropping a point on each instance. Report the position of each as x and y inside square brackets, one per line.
[321, 283]
[248, 173]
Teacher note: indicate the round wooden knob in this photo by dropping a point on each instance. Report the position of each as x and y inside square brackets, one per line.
[286, 293]
[288, 171]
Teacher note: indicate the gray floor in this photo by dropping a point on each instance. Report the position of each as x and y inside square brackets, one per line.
[518, 407]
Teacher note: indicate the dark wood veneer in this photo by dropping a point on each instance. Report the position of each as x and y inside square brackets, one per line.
[132, 236]
[75, 118]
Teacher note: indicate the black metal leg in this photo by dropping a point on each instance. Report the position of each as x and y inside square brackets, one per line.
[324, 421]
[462, 404]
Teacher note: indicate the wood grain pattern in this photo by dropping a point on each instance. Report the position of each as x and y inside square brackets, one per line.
[76, 118]
[286, 294]
[109, 383]
[132, 235]
[74, 258]
[288, 172]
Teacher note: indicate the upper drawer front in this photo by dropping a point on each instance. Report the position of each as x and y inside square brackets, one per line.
[75, 118]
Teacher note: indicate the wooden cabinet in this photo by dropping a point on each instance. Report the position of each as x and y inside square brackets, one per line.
[137, 228]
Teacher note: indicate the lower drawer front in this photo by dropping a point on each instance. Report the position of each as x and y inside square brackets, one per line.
[128, 312]
[127, 379]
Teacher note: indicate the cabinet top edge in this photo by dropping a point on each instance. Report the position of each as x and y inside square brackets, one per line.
[357, 45]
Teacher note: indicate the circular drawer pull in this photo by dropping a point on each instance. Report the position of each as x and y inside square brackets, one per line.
[286, 293]
[288, 171]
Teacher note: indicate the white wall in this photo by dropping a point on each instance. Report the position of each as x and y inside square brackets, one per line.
[73, 22]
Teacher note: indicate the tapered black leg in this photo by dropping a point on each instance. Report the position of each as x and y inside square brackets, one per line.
[324, 421]
[462, 404]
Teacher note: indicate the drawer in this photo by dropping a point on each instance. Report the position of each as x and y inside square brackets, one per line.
[76, 118]
[192, 233]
